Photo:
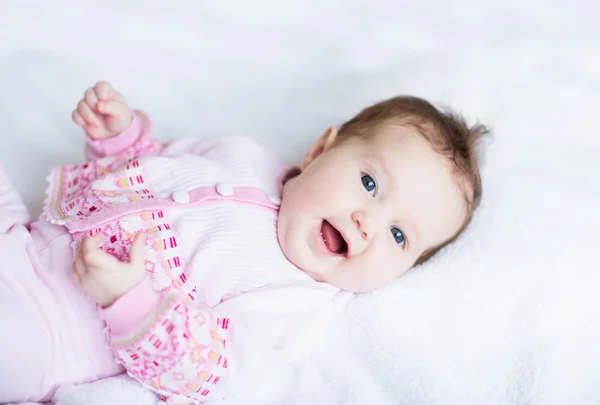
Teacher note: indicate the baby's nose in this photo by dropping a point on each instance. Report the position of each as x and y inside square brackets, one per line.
[361, 221]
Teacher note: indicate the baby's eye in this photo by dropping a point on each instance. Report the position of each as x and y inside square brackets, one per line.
[369, 184]
[398, 235]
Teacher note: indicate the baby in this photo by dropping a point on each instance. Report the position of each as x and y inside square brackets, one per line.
[205, 267]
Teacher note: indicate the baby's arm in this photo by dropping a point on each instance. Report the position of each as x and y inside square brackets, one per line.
[174, 348]
[112, 128]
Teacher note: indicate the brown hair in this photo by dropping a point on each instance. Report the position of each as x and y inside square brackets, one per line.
[446, 131]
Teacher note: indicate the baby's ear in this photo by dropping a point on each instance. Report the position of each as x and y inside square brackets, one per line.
[323, 143]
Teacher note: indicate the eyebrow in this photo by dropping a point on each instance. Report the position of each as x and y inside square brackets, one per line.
[381, 162]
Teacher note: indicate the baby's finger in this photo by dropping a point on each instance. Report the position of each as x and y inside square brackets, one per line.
[87, 114]
[111, 107]
[102, 260]
[91, 244]
[107, 92]
[75, 275]
[77, 119]
[91, 98]
[78, 269]
[137, 253]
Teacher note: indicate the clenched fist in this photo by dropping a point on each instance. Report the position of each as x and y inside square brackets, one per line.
[103, 112]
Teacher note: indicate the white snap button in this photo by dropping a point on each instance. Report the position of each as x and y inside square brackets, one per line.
[181, 197]
[225, 189]
[53, 221]
[274, 199]
[60, 222]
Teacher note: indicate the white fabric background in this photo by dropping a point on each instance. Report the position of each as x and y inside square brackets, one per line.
[508, 315]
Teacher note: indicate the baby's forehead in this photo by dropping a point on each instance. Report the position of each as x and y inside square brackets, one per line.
[395, 141]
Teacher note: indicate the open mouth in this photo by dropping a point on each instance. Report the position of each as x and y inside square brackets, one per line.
[333, 239]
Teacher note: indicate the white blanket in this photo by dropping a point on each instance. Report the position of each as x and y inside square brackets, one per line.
[510, 314]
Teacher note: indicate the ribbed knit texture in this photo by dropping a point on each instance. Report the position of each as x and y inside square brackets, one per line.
[264, 311]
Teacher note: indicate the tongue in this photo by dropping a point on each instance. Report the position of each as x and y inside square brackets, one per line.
[332, 238]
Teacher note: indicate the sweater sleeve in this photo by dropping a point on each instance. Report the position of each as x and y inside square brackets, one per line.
[186, 353]
[136, 140]
[176, 349]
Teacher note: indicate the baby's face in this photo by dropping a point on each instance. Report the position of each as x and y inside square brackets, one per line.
[362, 212]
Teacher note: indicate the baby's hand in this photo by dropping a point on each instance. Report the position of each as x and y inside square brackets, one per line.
[102, 276]
[103, 112]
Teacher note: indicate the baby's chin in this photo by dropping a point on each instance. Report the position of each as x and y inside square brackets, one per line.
[316, 276]
[301, 265]
[322, 278]
[344, 283]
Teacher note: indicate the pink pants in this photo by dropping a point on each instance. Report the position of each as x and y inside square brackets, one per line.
[49, 332]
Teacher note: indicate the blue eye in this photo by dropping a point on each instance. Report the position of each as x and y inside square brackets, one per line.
[369, 184]
[398, 235]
